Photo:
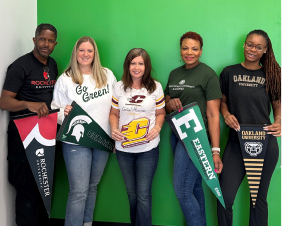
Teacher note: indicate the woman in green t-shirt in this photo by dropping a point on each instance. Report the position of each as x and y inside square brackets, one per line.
[193, 82]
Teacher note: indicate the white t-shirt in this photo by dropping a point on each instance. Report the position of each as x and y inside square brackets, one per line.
[95, 102]
[137, 116]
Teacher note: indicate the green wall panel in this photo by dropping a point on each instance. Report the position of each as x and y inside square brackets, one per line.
[118, 26]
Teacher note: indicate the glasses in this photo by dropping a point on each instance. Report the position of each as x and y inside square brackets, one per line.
[251, 46]
[46, 73]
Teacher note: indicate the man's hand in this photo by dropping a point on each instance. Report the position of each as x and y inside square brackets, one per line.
[38, 107]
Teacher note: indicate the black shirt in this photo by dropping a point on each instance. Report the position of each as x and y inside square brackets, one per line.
[245, 91]
[27, 77]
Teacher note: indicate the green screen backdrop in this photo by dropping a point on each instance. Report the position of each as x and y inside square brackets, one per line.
[157, 25]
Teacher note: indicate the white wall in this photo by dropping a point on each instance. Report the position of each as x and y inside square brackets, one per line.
[18, 19]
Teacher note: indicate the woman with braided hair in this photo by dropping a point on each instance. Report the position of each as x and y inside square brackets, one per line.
[248, 90]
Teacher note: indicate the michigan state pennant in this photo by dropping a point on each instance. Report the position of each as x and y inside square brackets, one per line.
[189, 127]
[79, 128]
[38, 137]
[253, 141]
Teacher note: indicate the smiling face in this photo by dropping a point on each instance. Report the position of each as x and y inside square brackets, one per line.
[190, 52]
[137, 68]
[85, 55]
[44, 44]
[259, 47]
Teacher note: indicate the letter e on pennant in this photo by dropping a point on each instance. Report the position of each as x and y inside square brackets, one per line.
[185, 120]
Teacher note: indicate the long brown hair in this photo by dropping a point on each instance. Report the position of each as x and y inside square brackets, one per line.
[98, 72]
[147, 80]
[271, 67]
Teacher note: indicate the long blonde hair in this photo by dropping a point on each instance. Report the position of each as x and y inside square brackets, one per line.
[98, 72]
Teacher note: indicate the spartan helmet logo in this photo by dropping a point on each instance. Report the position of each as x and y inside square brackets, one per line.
[76, 122]
[253, 148]
[78, 132]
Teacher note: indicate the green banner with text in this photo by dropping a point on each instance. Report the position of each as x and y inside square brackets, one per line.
[79, 128]
[189, 127]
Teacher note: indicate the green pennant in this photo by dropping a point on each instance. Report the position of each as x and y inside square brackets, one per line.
[79, 128]
[189, 127]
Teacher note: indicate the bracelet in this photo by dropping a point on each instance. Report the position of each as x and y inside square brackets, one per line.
[216, 153]
[277, 117]
[216, 149]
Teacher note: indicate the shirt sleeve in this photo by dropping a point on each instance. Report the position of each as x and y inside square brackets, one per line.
[167, 87]
[115, 96]
[60, 99]
[15, 78]
[224, 83]
[160, 97]
[111, 77]
[212, 90]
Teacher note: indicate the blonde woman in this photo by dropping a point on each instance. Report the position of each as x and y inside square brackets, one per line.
[90, 85]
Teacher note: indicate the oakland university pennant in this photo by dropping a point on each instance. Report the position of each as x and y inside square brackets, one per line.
[38, 137]
[253, 141]
[79, 128]
[189, 127]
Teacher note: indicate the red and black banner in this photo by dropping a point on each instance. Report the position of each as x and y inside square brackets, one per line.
[253, 141]
[38, 137]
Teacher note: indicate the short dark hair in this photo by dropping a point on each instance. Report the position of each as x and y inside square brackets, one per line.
[45, 26]
[192, 35]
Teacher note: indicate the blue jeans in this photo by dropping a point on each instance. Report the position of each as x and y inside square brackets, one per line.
[85, 167]
[187, 183]
[138, 170]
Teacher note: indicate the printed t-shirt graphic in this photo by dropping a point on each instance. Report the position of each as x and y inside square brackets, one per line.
[137, 116]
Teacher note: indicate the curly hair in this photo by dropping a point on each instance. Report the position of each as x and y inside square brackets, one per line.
[192, 35]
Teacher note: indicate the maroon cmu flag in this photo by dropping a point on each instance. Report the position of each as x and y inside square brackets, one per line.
[38, 137]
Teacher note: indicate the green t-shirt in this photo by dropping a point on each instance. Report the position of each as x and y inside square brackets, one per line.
[199, 84]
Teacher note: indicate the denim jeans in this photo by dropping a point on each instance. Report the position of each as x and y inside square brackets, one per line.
[85, 167]
[187, 183]
[138, 170]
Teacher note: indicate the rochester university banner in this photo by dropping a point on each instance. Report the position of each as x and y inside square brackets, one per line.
[38, 137]
[253, 141]
[79, 128]
[189, 127]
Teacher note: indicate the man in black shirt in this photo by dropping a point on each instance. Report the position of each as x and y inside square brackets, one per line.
[28, 88]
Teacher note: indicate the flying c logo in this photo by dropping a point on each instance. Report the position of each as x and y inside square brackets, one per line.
[136, 100]
[185, 120]
[135, 132]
